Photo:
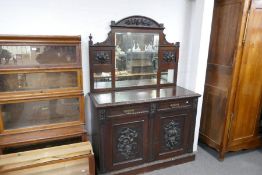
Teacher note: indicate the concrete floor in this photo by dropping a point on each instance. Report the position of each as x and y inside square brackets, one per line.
[248, 162]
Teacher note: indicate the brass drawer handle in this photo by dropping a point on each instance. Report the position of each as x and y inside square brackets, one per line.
[129, 111]
[44, 108]
[174, 105]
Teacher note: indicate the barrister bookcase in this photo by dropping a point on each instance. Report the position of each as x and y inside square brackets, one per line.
[41, 94]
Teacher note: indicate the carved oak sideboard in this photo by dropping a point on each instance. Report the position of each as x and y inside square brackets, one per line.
[143, 129]
[141, 120]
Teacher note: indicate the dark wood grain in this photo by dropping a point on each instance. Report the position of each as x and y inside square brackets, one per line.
[158, 120]
[139, 125]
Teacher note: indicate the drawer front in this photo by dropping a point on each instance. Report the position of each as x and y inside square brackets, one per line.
[175, 105]
[128, 110]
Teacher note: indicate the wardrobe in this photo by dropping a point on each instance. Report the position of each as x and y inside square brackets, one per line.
[231, 113]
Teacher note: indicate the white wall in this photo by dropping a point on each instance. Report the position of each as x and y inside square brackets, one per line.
[201, 19]
[184, 20]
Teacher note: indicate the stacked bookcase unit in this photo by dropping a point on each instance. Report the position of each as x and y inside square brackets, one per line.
[41, 93]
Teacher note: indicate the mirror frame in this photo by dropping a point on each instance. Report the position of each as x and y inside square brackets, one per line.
[102, 55]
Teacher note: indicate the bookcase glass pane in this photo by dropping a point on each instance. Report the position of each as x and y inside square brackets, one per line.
[30, 114]
[36, 55]
[37, 81]
[136, 56]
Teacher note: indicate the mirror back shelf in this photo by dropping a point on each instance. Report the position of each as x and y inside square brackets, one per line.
[134, 55]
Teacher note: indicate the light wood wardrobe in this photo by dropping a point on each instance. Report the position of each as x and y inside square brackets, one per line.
[231, 113]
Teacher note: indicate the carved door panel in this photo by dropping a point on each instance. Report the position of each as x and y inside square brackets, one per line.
[129, 141]
[172, 134]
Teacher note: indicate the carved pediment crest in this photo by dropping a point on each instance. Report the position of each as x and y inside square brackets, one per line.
[137, 21]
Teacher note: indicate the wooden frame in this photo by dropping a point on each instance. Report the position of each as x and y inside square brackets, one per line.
[109, 46]
[49, 132]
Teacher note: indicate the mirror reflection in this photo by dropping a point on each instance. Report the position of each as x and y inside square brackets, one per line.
[102, 80]
[167, 76]
[136, 58]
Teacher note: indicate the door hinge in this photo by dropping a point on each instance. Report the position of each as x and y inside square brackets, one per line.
[245, 31]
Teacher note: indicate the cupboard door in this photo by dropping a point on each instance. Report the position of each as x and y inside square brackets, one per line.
[248, 97]
[172, 134]
[129, 141]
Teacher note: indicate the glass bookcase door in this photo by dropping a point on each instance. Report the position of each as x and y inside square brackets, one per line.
[38, 81]
[37, 55]
[36, 113]
[136, 59]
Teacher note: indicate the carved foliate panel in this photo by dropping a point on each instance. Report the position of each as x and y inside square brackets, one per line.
[102, 114]
[127, 142]
[172, 130]
[169, 57]
[153, 108]
[102, 57]
[172, 134]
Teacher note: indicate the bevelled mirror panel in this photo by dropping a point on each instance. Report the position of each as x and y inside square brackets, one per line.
[167, 76]
[102, 80]
[136, 59]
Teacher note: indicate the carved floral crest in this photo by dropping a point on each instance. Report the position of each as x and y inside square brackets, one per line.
[169, 56]
[102, 57]
[137, 21]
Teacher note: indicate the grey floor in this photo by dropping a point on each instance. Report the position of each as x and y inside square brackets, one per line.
[238, 163]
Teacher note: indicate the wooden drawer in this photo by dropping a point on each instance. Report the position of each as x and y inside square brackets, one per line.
[128, 110]
[175, 104]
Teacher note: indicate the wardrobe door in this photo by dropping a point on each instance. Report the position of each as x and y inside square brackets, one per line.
[248, 97]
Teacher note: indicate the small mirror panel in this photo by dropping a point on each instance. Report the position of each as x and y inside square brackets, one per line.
[102, 80]
[167, 76]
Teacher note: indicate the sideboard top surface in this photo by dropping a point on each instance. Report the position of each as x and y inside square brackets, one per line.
[115, 98]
